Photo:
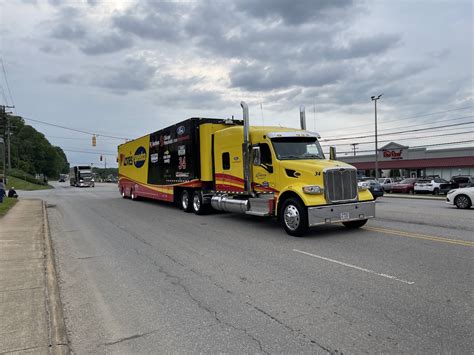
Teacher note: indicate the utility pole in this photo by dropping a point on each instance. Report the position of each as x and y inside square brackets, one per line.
[7, 133]
[354, 147]
[374, 99]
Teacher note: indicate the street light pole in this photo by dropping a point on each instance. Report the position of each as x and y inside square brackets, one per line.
[374, 99]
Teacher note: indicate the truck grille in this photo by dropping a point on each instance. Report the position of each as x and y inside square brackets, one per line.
[340, 185]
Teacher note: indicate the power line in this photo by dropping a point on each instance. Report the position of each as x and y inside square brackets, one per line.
[8, 85]
[409, 118]
[417, 125]
[74, 129]
[3, 95]
[408, 138]
[418, 146]
[88, 152]
[399, 132]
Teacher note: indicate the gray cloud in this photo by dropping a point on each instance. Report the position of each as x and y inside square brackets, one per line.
[62, 79]
[257, 77]
[69, 31]
[133, 75]
[106, 44]
[292, 12]
[152, 20]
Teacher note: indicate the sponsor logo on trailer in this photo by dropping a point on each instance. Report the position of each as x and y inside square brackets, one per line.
[139, 157]
[180, 131]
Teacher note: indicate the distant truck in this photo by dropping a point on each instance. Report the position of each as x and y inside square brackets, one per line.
[228, 165]
[81, 176]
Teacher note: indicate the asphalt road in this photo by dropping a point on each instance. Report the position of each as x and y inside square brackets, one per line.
[144, 277]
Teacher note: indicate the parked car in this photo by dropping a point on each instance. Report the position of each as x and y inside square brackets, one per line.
[461, 198]
[374, 186]
[387, 183]
[462, 181]
[434, 186]
[405, 186]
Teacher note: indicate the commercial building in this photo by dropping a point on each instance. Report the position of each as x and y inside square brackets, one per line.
[399, 160]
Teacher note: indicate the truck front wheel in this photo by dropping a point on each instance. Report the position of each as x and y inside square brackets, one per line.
[355, 224]
[294, 217]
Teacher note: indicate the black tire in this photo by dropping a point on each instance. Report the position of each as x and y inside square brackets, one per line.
[197, 204]
[294, 217]
[122, 192]
[462, 202]
[188, 206]
[436, 191]
[355, 224]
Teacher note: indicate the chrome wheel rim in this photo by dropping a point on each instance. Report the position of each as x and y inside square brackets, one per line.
[196, 203]
[291, 217]
[185, 201]
[462, 202]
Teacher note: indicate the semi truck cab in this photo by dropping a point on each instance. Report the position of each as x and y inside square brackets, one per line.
[289, 177]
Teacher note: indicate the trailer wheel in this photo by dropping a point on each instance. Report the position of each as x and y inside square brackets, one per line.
[133, 195]
[186, 204]
[198, 207]
[294, 217]
[122, 192]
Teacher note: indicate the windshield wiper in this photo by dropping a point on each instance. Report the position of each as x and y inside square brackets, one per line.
[310, 155]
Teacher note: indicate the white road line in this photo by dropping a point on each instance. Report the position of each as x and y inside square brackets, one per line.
[355, 267]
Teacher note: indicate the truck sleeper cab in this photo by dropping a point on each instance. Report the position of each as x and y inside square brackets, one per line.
[263, 171]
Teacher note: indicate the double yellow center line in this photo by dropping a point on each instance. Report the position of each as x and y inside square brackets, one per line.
[421, 236]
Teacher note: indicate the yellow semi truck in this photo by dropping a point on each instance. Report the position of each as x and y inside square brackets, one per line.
[227, 165]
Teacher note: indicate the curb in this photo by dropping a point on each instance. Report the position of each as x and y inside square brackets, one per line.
[415, 197]
[59, 343]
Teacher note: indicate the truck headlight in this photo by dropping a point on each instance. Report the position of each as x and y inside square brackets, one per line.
[313, 190]
[363, 186]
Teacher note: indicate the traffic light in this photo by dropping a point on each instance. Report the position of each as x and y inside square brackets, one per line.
[94, 140]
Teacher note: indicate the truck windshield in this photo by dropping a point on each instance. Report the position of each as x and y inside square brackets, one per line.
[290, 148]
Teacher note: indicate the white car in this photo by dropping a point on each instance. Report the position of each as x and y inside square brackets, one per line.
[430, 185]
[461, 198]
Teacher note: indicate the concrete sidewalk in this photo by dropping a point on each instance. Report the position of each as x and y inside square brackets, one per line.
[30, 309]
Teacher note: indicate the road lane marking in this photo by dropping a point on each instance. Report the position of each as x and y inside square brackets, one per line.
[355, 267]
[421, 236]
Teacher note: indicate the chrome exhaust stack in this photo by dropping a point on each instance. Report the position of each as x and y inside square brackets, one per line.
[302, 118]
[246, 148]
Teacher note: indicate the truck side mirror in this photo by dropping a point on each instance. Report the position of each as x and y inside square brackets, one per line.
[257, 159]
[332, 152]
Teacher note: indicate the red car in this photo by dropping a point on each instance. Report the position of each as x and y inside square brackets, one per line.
[405, 186]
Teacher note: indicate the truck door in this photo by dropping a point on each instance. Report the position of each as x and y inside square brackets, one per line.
[263, 172]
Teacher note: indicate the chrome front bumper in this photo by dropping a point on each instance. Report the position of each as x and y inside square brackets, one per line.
[340, 213]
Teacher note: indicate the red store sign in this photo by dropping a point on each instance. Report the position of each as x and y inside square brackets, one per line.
[393, 154]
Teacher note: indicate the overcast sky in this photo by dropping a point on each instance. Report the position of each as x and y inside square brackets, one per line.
[128, 68]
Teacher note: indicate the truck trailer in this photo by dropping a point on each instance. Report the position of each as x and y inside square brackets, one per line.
[227, 165]
[81, 176]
